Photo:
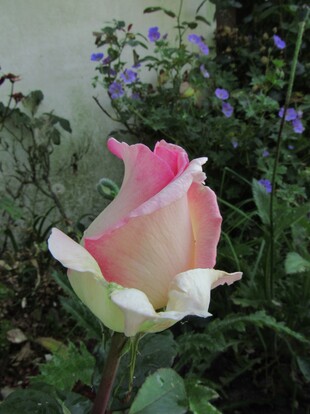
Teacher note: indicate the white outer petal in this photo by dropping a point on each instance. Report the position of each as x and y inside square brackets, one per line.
[190, 291]
[72, 255]
[86, 279]
[189, 295]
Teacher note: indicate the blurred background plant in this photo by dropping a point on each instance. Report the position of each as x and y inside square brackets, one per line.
[229, 100]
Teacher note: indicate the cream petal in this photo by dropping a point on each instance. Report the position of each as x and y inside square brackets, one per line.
[190, 291]
[139, 314]
[95, 294]
[71, 254]
[86, 279]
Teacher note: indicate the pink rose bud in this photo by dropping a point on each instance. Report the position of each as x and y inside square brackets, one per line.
[148, 259]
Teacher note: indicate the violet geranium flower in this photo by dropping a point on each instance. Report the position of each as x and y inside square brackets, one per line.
[290, 115]
[193, 38]
[266, 184]
[204, 71]
[129, 76]
[227, 109]
[95, 57]
[279, 43]
[153, 34]
[222, 94]
[298, 126]
[116, 90]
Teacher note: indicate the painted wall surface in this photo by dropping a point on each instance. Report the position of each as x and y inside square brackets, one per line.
[49, 43]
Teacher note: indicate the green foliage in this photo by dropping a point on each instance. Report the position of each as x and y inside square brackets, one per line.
[262, 201]
[163, 391]
[200, 349]
[66, 367]
[199, 396]
[45, 399]
[294, 263]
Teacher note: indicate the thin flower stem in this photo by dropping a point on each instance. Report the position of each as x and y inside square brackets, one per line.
[117, 345]
[179, 22]
[271, 272]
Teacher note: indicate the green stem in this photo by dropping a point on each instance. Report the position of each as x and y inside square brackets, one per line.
[270, 285]
[179, 22]
[117, 345]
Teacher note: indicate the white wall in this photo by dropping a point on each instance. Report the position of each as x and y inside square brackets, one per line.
[49, 43]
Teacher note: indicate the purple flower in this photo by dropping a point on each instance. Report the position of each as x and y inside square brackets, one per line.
[136, 96]
[227, 109]
[290, 147]
[129, 76]
[267, 184]
[203, 48]
[204, 71]
[107, 60]
[279, 43]
[136, 65]
[116, 90]
[234, 143]
[153, 34]
[265, 153]
[290, 115]
[222, 94]
[96, 57]
[193, 38]
[298, 126]
[112, 72]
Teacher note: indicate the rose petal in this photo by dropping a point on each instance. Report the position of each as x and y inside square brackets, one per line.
[190, 291]
[71, 254]
[173, 155]
[189, 295]
[140, 316]
[159, 225]
[148, 251]
[94, 293]
[145, 175]
[206, 221]
[86, 279]
[223, 277]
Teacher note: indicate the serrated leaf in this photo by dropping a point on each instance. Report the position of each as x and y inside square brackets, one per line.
[262, 201]
[199, 397]
[65, 369]
[162, 392]
[294, 263]
[31, 401]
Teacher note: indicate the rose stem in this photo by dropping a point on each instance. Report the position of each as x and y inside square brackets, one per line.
[117, 344]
